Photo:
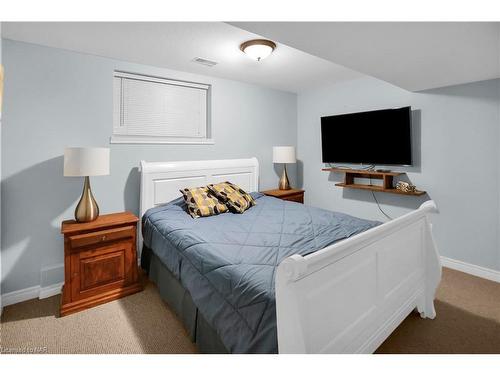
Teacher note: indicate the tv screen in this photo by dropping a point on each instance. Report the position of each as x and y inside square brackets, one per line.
[376, 137]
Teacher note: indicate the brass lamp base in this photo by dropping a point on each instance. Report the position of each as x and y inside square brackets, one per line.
[284, 184]
[87, 209]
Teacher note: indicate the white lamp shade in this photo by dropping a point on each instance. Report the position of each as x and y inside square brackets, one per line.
[284, 154]
[86, 161]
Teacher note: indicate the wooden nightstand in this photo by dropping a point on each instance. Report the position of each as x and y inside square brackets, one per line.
[100, 261]
[294, 195]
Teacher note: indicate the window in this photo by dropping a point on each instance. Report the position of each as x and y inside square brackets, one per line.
[156, 110]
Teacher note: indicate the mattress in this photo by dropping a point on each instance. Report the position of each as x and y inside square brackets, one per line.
[228, 262]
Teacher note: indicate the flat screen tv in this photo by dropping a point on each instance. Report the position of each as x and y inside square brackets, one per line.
[380, 137]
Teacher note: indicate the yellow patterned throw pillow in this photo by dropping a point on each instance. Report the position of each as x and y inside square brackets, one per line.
[236, 199]
[201, 202]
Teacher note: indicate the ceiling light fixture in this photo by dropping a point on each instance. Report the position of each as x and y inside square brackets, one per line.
[258, 49]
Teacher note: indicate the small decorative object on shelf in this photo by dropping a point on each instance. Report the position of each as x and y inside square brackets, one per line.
[406, 187]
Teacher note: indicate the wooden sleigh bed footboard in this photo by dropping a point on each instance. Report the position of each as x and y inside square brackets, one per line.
[350, 296]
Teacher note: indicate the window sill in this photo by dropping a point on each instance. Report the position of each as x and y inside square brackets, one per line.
[124, 139]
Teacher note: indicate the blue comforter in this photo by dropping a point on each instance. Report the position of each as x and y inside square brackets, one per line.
[228, 262]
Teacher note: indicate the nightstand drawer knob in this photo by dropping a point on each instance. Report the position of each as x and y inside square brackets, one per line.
[103, 238]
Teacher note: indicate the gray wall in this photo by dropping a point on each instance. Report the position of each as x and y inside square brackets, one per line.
[1, 305]
[456, 136]
[56, 98]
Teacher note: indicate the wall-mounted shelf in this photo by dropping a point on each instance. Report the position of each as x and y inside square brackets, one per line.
[386, 177]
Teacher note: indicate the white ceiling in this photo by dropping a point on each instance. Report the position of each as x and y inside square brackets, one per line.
[173, 45]
[414, 56]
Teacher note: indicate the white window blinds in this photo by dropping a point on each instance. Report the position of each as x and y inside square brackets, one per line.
[157, 110]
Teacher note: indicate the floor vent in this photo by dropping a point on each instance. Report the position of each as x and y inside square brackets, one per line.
[205, 62]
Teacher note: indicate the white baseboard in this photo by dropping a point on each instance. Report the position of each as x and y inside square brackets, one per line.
[51, 290]
[30, 293]
[471, 269]
[20, 295]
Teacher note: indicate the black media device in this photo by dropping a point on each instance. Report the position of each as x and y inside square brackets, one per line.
[380, 137]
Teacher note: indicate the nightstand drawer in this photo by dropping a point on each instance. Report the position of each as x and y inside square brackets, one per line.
[102, 236]
[292, 195]
[295, 198]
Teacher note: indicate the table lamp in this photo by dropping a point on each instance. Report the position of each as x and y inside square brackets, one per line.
[284, 154]
[85, 162]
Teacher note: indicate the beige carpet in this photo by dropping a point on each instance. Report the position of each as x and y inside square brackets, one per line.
[140, 323]
[468, 321]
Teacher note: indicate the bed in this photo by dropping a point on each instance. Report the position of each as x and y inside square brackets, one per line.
[282, 277]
